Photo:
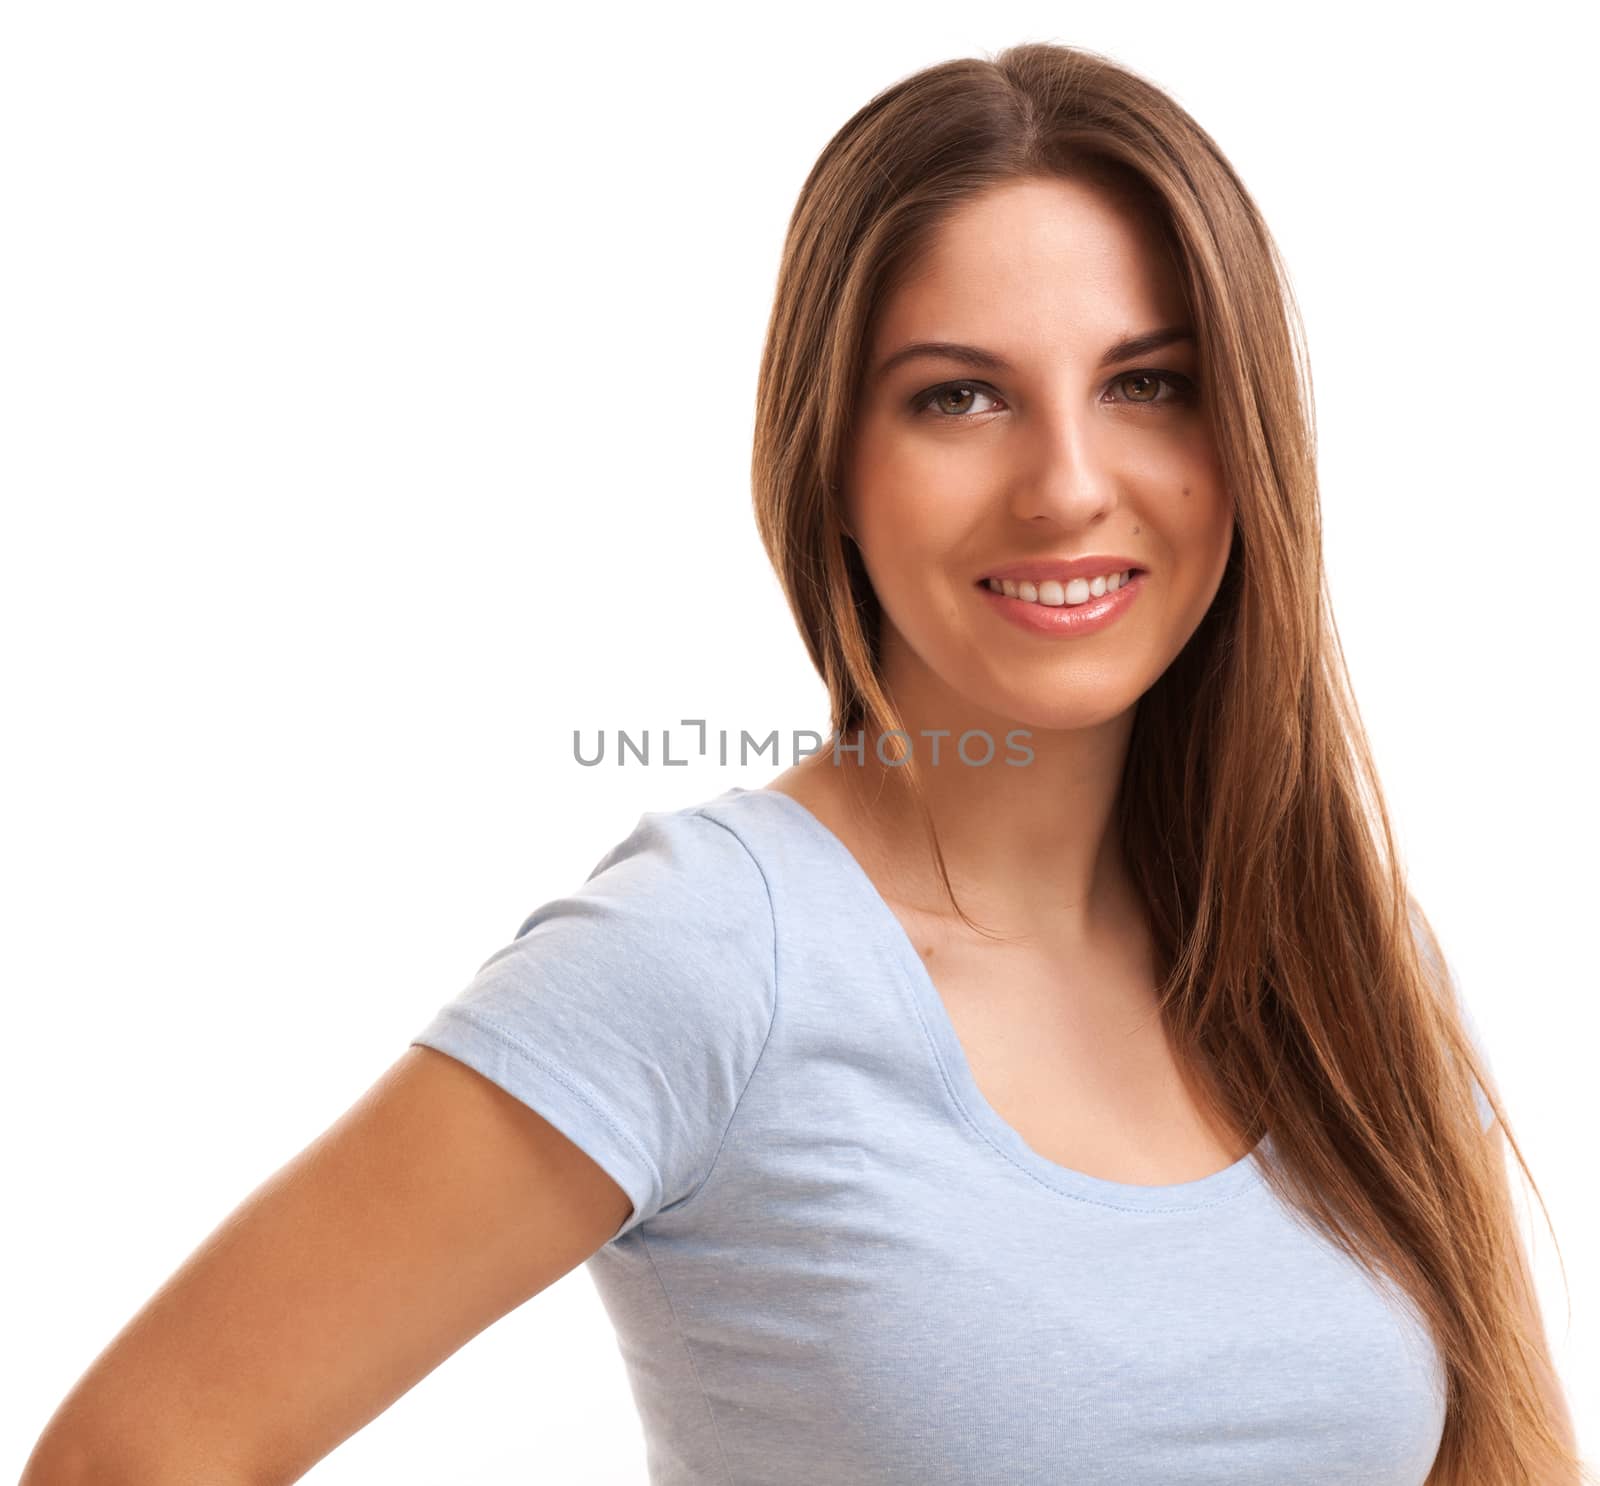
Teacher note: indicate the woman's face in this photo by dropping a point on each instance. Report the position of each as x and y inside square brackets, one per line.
[961, 468]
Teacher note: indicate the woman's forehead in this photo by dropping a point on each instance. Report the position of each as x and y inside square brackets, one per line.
[1034, 268]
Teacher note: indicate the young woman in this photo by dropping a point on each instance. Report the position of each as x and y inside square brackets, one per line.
[1051, 1080]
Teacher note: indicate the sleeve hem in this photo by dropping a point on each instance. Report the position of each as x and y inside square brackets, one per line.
[552, 1093]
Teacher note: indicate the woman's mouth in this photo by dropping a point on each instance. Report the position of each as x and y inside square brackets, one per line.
[1078, 606]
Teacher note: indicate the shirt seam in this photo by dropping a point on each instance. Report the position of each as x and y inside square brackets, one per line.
[683, 1202]
[644, 1237]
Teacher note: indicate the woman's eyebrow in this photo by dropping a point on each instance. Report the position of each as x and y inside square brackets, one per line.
[1134, 345]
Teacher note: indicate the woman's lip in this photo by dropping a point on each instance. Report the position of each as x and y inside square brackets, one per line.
[1132, 570]
[1063, 569]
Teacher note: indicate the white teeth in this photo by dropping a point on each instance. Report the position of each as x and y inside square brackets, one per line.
[1053, 593]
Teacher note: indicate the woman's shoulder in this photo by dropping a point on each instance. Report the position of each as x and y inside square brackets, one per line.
[709, 846]
[682, 880]
[671, 927]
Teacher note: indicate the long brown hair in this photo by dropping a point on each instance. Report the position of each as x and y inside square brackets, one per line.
[1301, 970]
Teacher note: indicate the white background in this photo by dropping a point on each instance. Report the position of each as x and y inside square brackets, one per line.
[377, 398]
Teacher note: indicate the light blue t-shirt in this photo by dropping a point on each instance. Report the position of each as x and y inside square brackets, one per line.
[842, 1266]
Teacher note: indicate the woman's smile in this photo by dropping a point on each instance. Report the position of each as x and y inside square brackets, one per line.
[1078, 607]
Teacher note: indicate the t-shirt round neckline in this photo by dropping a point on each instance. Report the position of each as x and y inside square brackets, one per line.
[1205, 1191]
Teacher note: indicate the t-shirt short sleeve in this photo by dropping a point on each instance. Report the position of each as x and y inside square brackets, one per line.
[1434, 958]
[632, 1012]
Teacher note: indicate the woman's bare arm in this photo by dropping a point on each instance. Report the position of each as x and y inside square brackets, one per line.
[436, 1204]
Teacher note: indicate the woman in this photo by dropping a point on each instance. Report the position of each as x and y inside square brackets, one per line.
[1052, 1080]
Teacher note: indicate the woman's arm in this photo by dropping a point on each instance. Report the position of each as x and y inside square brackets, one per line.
[436, 1204]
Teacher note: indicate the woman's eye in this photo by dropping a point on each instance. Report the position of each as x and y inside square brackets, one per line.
[1145, 391]
[935, 399]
